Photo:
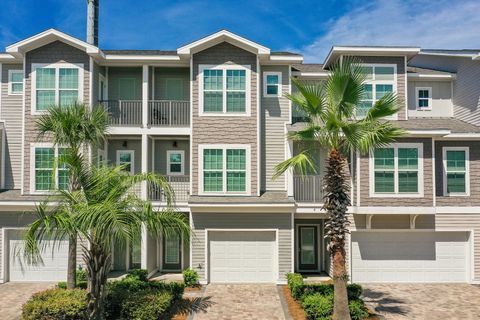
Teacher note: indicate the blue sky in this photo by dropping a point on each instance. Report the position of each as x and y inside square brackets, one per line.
[308, 27]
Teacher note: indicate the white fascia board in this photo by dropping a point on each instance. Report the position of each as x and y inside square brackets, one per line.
[139, 58]
[445, 54]
[242, 207]
[394, 210]
[311, 74]
[6, 57]
[150, 131]
[291, 59]
[377, 51]
[432, 76]
[428, 132]
[472, 136]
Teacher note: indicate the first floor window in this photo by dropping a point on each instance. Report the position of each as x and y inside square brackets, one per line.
[397, 169]
[15, 81]
[225, 170]
[125, 158]
[455, 161]
[175, 160]
[424, 98]
[50, 170]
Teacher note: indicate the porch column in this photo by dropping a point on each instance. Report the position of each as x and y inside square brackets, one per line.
[145, 96]
[289, 173]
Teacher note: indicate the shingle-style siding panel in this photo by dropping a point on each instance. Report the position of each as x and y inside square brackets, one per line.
[251, 221]
[224, 129]
[466, 91]
[275, 113]
[11, 113]
[442, 105]
[426, 201]
[474, 152]
[55, 52]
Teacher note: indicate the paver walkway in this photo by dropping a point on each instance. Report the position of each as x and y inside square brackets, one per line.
[241, 301]
[14, 294]
[424, 301]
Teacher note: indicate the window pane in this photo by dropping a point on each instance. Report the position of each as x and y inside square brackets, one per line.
[235, 79]
[213, 79]
[235, 101]
[384, 73]
[175, 158]
[423, 93]
[456, 160]
[384, 181]
[45, 99]
[68, 78]
[236, 159]
[44, 158]
[456, 182]
[363, 107]
[63, 179]
[67, 97]
[44, 180]
[212, 101]
[383, 89]
[423, 103]
[175, 167]
[407, 158]
[367, 92]
[272, 89]
[16, 77]
[368, 71]
[384, 158]
[17, 87]
[272, 79]
[408, 181]
[212, 159]
[212, 181]
[45, 78]
[236, 181]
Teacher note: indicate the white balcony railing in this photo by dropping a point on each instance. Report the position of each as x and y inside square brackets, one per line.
[180, 186]
[123, 112]
[169, 113]
[308, 188]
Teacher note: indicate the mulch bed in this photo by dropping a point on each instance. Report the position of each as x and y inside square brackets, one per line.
[185, 305]
[295, 308]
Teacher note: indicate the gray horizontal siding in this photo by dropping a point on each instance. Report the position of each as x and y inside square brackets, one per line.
[280, 221]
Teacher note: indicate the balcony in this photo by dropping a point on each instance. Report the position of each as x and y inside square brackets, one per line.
[123, 112]
[169, 113]
[180, 186]
[308, 189]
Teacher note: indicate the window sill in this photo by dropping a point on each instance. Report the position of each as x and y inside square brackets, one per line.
[224, 114]
[396, 195]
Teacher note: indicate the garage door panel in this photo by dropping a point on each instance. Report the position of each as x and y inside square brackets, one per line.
[409, 257]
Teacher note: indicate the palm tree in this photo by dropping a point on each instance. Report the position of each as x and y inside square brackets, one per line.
[76, 129]
[333, 124]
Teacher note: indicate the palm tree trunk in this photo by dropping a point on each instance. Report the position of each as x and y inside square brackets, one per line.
[337, 200]
[98, 264]
[72, 262]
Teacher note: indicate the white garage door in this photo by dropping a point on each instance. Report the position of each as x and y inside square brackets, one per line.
[410, 256]
[242, 256]
[53, 265]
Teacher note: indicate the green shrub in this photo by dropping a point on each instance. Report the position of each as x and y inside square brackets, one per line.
[55, 304]
[317, 306]
[176, 289]
[81, 280]
[190, 277]
[295, 284]
[139, 274]
[354, 291]
[146, 305]
[358, 311]
[118, 291]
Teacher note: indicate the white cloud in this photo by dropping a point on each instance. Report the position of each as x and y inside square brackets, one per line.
[428, 24]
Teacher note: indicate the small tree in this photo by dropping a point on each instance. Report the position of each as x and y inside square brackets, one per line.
[333, 123]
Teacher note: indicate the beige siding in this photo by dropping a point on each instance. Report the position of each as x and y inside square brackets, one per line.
[275, 113]
[426, 201]
[224, 129]
[441, 99]
[252, 221]
[474, 151]
[11, 113]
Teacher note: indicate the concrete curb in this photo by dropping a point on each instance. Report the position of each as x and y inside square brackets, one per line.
[284, 304]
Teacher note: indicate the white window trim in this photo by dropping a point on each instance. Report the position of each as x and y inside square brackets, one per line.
[182, 163]
[374, 82]
[467, 171]
[132, 156]
[279, 84]
[224, 113]
[429, 89]
[33, 146]
[10, 83]
[224, 147]
[56, 66]
[397, 194]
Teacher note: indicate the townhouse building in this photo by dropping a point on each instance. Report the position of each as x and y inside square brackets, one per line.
[212, 117]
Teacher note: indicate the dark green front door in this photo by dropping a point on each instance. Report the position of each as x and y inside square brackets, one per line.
[307, 248]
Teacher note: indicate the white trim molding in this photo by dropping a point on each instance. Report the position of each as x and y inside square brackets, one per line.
[467, 171]
[278, 84]
[10, 82]
[132, 157]
[417, 98]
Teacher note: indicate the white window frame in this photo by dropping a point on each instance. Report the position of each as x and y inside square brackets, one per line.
[396, 193]
[10, 82]
[33, 170]
[224, 112]
[417, 98]
[132, 156]
[374, 82]
[182, 163]
[279, 84]
[56, 66]
[224, 147]
[467, 171]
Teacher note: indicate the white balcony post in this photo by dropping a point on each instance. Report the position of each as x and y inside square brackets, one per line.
[144, 164]
[145, 96]
[289, 173]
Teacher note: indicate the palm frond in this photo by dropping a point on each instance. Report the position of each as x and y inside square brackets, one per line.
[301, 162]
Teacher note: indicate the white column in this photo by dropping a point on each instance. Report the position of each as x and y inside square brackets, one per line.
[144, 166]
[289, 172]
[143, 249]
[145, 95]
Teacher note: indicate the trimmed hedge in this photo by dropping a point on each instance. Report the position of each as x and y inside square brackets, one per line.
[146, 305]
[55, 304]
[318, 306]
[81, 280]
[190, 277]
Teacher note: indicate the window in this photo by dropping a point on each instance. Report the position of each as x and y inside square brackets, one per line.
[15, 82]
[126, 158]
[56, 84]
[175, 162]
[225, 169]
[455, 171]
[224, 90]
[397, 170]
[272, 82]
[50, 172]
[424, 98]
[379, 81]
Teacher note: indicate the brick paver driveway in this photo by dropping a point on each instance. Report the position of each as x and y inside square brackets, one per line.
[14, 294]
[241, 301]
[424, 301]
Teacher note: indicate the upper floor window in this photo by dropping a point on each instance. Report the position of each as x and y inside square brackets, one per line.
[379, 80]
[224, 90]
[126, 159]
[272, 84]
[397, 170]
[15, 82]
[175, 162]
[56, 84]
[455, 171]
[424, 98]
[225, 169]
[50, 172]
